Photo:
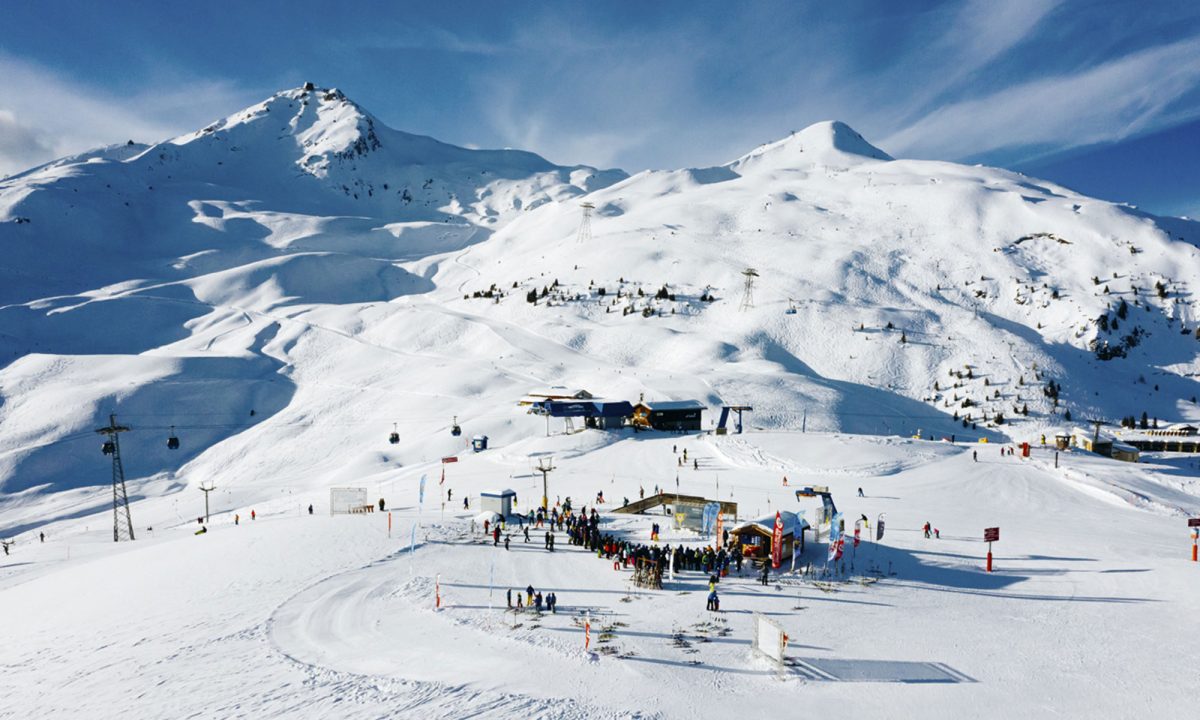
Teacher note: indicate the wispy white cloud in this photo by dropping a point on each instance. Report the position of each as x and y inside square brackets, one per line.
[44, 115]
[1124, 97]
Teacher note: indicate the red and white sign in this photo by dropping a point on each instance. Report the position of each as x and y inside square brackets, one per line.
[991, 534]
[777, 542]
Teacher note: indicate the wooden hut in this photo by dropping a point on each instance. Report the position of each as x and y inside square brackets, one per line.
[753, 539]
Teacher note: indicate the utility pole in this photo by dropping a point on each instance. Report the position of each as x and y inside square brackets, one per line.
[1096, 437]
[545, 466]
[112, 446]
[206, 491]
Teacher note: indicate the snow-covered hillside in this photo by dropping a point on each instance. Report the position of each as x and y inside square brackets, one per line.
[285, 284]
[285, 288]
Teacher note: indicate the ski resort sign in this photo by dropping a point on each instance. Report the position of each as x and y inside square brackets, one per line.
[990, 535]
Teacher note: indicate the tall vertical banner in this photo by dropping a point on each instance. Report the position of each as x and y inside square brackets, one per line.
[720, 525]
[857, 531]
[835, 537]
[421, 493]
[777, 542]
[708, 517]
[879, 528]
[412, 547]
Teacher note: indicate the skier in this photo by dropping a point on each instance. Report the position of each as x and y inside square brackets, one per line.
[695, 464]
[449, 494]
[253, 515]
[529, 594]
[486, 524]
[310, 509]
[552, 603]
[975, 455]
[712, 601]
[937, 534]
[520, 604]
[860, 493]
[42, 536]
[785, 483]
[927, 529]
[508, 597]
[495, 535]
[766, 571]
[525, 529]
[237, 519]
[537, 601]
[382, 505]
[506, 539]
[467, 503]
[202, 530]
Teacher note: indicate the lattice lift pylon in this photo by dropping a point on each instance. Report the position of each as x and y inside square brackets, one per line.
[585, 224]
[112, 446]
[748, 291]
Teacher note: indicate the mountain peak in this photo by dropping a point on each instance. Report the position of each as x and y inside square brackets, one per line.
[830, 142]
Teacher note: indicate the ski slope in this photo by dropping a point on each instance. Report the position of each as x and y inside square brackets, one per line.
[305, 616]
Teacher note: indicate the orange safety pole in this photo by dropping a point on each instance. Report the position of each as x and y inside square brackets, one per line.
[989, 558]
[389, 523]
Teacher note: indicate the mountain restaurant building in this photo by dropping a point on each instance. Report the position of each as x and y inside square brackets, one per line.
[670, 416]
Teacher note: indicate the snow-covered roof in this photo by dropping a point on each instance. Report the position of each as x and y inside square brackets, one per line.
[506, 492]
[675, 405]
[791, 521]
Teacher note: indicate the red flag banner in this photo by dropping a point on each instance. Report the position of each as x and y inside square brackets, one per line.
[777, 542]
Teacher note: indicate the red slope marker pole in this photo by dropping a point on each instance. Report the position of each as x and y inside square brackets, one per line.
[989, 558]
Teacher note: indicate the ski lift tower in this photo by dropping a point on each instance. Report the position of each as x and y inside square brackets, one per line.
[585, 224]
[748, 290]
[112, 446]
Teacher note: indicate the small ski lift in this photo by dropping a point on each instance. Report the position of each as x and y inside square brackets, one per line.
[108, 448]
[394, 438]
[172, 441]
[791, 307]
[455, 430]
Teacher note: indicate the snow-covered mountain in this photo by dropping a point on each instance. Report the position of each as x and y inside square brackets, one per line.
[286, 285]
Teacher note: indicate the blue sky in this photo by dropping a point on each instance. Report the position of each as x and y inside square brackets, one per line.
[1102, 96]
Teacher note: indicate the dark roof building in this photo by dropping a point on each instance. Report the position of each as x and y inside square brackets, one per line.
[670, 415]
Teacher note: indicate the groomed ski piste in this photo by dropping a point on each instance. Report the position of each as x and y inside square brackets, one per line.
[290, 615]
[284, 288]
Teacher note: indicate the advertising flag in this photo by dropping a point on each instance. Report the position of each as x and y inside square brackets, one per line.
[421, 493]
[777, 542]
[835, 537]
